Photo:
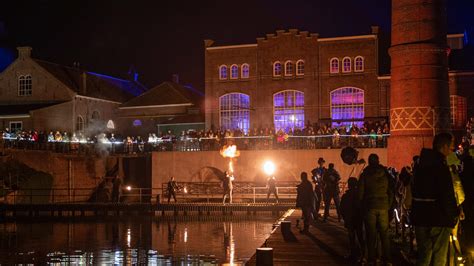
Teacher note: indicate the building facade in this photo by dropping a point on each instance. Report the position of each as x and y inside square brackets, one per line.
[294, 78]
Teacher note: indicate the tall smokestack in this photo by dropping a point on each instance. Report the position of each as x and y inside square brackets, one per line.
[419, 93]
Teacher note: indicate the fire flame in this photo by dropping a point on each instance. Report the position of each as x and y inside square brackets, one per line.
[230, 152]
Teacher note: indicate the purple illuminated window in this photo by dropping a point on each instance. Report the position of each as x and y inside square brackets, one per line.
[137, 122]
[234, 111]
[288, 110]
[334, 65]
[347, 106]
[346, 64]
[245, 71]
[234, 72]
[223, 72]
[277, 69]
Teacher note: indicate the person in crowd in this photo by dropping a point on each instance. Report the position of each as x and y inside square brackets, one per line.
[116, 189]
[455, 167]
[434, 209]
[331, 180]
[51, 136]
[467, 179]
[305, 200]
[352, 215]
[227, 186]
[171, 189]
[272, 188]
[317, 176]
[376, 196]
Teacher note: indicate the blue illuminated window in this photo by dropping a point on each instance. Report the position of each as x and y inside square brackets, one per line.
[359, 64]
[347, 106]
[277, 69]
[334, 68]
[234, 72]
[137, 122]
[346, 64]
[245, 71]
[234, 111]
[223, 72]
[288, 110]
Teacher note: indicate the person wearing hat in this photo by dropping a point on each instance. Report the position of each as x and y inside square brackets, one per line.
[317, 176]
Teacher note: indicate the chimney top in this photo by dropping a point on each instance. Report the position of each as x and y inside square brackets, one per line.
[24, 52]
[208, 43]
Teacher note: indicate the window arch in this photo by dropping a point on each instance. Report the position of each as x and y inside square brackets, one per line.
[245, 71]
[277, 69]
[95, 115]
[346, 64]
[234, 110]
[288, 68]
[359, 64]
[136, 123]
[334, 65]
[223, 72]
[80, 123]
[288, 110]
[234, 72]
[300, 67]
[347, 105]
[25, 85]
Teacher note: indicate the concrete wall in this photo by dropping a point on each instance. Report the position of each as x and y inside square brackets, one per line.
[198, 166]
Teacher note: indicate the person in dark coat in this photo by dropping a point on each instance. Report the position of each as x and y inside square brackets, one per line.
[272, 189]
[116, 189]
[434, 210]
[351, 213]
[305, 200]
[467, 179]
[317, 176]
[171, 188]
[376, 195]
[331, 180]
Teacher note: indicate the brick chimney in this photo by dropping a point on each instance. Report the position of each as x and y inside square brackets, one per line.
[24, 52]
[83, 83]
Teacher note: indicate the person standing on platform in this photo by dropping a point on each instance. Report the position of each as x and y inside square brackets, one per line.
[331, 180]
[434, 210]
[272, 188]
[227, 186]
[116, 189]
[317, 176]
[305, 200]
[171, 188]
[376, 196]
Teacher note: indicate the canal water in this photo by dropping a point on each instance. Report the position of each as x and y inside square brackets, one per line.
[208, 240]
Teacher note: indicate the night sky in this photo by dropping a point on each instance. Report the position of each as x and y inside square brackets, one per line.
[158, 38]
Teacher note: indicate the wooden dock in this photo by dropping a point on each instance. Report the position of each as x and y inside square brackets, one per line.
[326, 244]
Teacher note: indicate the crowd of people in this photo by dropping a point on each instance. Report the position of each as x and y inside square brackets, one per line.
[373, 135]
[433, 198]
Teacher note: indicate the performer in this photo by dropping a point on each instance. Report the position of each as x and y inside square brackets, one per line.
[272, 189]
[317, 176]
[172, 188]
[227, 186]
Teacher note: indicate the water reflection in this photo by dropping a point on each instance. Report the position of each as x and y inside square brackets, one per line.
[146, 241]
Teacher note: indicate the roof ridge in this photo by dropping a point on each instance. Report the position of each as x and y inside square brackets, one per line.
[173, 85]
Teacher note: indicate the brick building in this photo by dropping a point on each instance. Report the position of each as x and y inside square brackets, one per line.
[292, 78]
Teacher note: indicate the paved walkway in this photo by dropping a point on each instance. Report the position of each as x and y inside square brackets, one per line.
[325, 244]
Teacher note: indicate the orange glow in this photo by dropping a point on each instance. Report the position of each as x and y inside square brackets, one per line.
[230, 151]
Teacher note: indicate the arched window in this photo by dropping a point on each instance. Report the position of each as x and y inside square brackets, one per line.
[234, 72]
[277, 69]
[223, 72]
[137, 123]
[288, 110]
[234, 110]
[334, 65]
[300, 67]
[95, 115]
[347, 106]
[346, 64]
[245, 71]
[288, 68]
[359, 64]
[80, 123]
[25, 85]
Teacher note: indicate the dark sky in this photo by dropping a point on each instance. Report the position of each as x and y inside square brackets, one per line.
[162, 37]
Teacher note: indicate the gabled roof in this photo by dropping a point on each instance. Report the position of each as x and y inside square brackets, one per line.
[167, 93]
[97, 85]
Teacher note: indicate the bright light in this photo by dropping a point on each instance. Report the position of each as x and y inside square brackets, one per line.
[129, 188]
[230, 151]
[185, 189]
[269, 167]
[129, 237]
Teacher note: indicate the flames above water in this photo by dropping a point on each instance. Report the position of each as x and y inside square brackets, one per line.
[230, 151]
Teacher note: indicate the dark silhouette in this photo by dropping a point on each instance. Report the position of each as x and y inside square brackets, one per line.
[227, 186]
[116, 189]
[305, 200]
[331, 190]
[351, 213]
[171, 188]
[272, 189]
[317, 176]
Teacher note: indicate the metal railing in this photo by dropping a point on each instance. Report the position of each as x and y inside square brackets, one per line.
[204, 144]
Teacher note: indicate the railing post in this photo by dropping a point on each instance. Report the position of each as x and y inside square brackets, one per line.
[253, 194]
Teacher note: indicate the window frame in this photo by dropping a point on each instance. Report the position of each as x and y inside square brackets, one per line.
[362, 65]
[245, 65]
[231, 71]
[330, 65]
[15, 122]
[25, 85]
[274, 72]
[240, 112]
[226, 72]
[352, 106]
[289, 62]
[294, 108]
[301, 61]
[343, 65]
[77, 123]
